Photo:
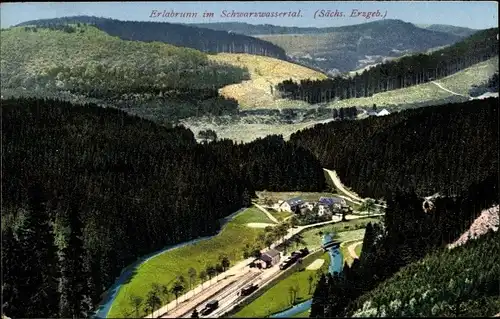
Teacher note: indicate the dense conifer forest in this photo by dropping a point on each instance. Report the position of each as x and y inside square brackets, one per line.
[407, 234]
[401, 73]
[451, 150]
[461, 282]
[87, 190]
[442, 149]
[205, 40]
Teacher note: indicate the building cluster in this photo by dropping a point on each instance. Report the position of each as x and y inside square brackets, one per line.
[325, 206]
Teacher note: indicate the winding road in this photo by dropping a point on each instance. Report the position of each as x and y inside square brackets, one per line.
[445, 89]
[336, 181]
[352, 248]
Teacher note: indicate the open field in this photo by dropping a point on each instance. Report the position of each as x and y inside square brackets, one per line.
[252, 215]
[260, 225]
[165, 268]
[264, 73]
[345, 231]
[280, 215]
[277, 298]
[247, 132]
[459, 82]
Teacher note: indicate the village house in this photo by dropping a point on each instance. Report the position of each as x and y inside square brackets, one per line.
[323, 210]
[290, 205]
[271, 257]
[335, 202]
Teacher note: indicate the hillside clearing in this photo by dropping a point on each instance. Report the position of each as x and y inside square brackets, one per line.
[265, 72]
[459, 82]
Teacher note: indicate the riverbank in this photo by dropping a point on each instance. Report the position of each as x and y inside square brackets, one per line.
[110, 296]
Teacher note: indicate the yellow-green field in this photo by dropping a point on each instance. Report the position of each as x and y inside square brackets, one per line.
[264, 73]
[165, 268]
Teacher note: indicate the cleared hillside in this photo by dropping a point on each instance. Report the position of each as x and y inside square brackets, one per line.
[428, 93]
[265, 73]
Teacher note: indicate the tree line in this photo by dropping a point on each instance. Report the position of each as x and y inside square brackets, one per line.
[442, 148]
[205, 40]
[397, 74]
[79, 179]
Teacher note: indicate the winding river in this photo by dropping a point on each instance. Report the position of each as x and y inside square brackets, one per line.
[103, 309]
[336, 264]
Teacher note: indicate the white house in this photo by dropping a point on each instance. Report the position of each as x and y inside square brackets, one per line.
[383, 113]
[323, 210]
[290, 205]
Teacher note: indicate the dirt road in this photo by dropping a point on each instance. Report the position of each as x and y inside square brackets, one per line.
[271, 217]
[336, 181]
[352, 248]
[445, 89]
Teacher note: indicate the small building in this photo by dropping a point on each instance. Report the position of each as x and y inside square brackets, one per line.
[271, 257]
[323, 210]
[383, 113]
[290, 205]
[334, 202]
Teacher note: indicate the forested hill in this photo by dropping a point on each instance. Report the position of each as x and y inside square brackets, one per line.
[451, 150]
[87, 190]
[435, 149]
[205, 40]
[462, 282]
[404, 72]
[267, 29]
[81, 63]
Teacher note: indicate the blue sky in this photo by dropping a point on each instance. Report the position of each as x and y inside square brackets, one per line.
[471, 14]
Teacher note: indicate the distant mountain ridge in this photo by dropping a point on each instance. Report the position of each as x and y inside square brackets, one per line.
[346, 48]
[205, 40]
[451, 29]
[266, 29]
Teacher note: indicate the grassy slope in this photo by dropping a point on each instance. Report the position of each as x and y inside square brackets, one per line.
[264, 72]
[459, 82]
[358, 249]
[277, 298]
[165, 268]
[253, 215]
